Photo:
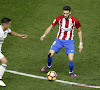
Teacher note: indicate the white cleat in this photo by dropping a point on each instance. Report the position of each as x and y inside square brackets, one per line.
[2, 84]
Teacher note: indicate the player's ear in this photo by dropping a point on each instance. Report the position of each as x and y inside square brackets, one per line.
[70, 12]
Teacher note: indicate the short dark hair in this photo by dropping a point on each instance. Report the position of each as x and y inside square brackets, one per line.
[5, 20]
[67, 8]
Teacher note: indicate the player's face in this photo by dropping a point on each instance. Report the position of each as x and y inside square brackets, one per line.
[66, 14]
[8, 25]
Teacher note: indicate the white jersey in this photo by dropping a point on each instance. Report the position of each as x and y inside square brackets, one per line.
[3, 35]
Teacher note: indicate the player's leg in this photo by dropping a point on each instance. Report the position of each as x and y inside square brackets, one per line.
[50, 57]
[71, 62]
[49, 60]
[69, 45]
[55, 48]
[71, 65]
[3, 66]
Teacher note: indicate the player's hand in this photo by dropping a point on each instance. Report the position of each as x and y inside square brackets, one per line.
[23, 36]
[42, 38]
[80, 48]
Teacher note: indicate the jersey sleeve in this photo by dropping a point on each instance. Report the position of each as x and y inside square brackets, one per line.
[55, 21]
[77, 24]
[9, 30]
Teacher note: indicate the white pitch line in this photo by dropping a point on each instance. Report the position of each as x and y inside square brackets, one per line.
[61, 81]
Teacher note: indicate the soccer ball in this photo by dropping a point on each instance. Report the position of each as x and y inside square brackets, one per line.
[51, 75]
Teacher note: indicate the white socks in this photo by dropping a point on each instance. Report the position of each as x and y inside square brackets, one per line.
[2, 70]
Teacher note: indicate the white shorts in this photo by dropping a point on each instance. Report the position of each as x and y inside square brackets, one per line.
[1, 55]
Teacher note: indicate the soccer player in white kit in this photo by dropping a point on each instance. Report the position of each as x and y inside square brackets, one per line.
[4, 30]
[65, 38]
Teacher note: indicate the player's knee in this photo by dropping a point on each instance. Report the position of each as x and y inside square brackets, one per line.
[4, 62]
[70, 60]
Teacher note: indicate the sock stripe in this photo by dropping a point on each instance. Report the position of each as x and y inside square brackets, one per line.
[4, 65]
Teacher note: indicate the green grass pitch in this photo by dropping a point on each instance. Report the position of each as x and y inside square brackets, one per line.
[29, 55]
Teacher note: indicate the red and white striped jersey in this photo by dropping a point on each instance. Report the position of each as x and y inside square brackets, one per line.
[66, 27]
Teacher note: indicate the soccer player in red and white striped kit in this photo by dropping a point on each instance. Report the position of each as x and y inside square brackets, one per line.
[65, 38]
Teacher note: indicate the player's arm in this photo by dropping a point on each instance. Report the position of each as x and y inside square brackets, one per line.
[18, 35]
[80, 39]
[46, 32]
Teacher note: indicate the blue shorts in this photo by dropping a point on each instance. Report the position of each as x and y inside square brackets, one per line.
[68, 44]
